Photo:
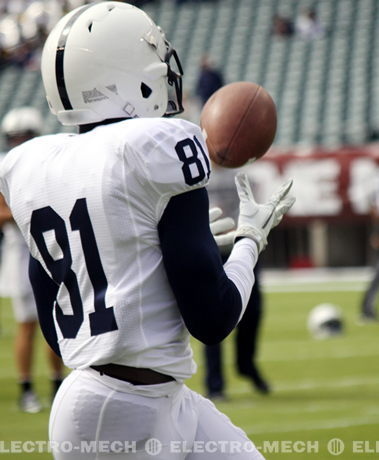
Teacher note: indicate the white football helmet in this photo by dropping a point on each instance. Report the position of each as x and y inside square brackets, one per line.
[22, 120]
[325, 320]
[109, 60]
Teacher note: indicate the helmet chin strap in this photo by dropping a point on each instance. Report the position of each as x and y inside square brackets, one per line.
[126, 107]
[85, 116]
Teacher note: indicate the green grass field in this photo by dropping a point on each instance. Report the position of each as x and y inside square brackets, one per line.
[321, 389]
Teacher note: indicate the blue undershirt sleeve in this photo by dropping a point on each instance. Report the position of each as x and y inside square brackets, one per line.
[208, 300]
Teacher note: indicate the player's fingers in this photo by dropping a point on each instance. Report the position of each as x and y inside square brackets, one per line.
[243, 187]
[225, 240]
[222, 225]
[214, 213]
[287, 204]
[281, 193]
[283, 207]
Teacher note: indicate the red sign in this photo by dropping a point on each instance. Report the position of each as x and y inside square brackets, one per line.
[327, 184]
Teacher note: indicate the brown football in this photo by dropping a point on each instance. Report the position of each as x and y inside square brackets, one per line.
[239, 123]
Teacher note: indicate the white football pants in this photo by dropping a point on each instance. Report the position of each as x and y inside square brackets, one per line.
[98, 417]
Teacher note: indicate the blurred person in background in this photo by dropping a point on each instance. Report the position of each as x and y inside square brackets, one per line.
[18, 126]
[282, 26]
[222, 194]
[209, 80]
[368, 305]
[308, 25]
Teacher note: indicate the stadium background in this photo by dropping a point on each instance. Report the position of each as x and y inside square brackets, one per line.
[326, 90]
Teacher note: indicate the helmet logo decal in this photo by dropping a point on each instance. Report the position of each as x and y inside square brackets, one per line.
[59, 58]
[93, 95]
[113, 88]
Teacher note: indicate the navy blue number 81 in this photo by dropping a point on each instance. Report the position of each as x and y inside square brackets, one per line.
[192, 146]
[102, 319]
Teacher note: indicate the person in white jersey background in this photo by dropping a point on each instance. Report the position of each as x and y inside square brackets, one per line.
[124, 266]
[19, 125]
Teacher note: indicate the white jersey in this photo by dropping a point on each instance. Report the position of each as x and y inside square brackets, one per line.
[14, 279]
[14, 262]
[88, 206]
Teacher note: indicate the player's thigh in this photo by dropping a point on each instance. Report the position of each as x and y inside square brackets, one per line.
[218, 439]
[90, 419]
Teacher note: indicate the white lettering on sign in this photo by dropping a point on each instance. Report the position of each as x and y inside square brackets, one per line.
[363, 187]
[315, 184]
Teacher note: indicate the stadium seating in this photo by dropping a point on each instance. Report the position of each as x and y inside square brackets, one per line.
[326, 89]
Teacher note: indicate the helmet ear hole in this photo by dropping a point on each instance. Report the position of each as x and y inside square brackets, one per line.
[145, 90]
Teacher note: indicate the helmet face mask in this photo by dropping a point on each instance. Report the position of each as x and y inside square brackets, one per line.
[174, 78]
[109, 60]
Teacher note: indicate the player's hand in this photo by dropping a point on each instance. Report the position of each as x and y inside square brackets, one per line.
[221, 228]
[256, 220]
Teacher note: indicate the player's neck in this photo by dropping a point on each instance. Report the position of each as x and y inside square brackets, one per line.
[90, 126]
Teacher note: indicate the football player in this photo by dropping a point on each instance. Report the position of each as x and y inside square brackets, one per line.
[124, 266]
[19, 125]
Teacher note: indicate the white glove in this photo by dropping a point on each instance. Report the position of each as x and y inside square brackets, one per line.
[221, 228]
[256, 220]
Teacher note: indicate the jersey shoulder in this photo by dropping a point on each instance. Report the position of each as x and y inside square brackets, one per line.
[21, 160]
[169, 153]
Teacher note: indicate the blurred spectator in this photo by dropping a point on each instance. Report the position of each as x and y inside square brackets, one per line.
[210, 80]
[22, 56]
[20, 125]
[308, 25]
[24, 25]
[282, 26]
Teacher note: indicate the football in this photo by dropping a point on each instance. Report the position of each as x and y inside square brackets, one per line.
[239, 123]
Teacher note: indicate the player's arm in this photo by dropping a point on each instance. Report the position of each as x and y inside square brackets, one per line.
[5, 212]
[209, 301]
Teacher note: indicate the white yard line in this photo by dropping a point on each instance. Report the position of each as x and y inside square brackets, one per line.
[306, 356]
[323, 279]
[325, 424]
[348, 287]
[343, 383]
[312, 385]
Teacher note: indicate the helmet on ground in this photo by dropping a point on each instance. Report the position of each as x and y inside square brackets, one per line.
[325, 320]
[22, 121]
[109, 60]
